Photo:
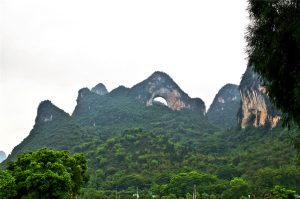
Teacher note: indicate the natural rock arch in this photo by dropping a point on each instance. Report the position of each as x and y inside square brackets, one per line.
[172, 97]
[159, 84]
[160, 100]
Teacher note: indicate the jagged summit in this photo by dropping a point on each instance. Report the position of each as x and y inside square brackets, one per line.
[99, 89]
[83, 92]
[158, 84]
[223, 111]
[134, 104]
[47, 112]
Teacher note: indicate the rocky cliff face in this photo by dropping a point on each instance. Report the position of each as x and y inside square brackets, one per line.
[160, 84]
[256, 109]
[2, 156]
[224, 109]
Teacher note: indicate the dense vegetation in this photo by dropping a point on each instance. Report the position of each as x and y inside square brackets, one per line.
[255, 160]
[44, 174]
[229, 164]
[165, 162]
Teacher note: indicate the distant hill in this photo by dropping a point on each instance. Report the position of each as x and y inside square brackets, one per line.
[2, 156]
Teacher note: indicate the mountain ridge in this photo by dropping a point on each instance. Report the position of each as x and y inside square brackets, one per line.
[116, 109]
[99, 108]
[129, 142]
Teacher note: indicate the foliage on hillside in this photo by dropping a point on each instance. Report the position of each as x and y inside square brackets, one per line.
[156, 164]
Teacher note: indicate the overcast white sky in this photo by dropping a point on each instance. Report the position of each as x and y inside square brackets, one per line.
[49, 49]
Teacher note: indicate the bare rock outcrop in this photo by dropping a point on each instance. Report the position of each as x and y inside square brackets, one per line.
[256, 108]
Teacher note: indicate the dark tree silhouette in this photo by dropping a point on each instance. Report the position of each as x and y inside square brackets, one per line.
[274, 50]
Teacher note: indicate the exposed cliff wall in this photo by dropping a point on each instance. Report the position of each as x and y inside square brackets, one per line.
[256, 109]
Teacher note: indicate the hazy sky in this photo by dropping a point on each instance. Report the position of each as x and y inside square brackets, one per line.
[49, 49]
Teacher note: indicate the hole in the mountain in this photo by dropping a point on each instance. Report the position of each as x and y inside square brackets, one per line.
[160, 100]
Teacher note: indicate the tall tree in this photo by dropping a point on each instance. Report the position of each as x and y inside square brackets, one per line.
[48, 174]
[274, 51]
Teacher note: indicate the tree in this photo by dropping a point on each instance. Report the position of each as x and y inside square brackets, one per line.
[48, 174]
[183, 183]
[279, 192]
[274, 50]
[7, 185]
[238, 187]
[266, 178]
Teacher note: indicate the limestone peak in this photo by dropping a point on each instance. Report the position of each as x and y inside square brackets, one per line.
[223, 111]
[47, 112]
[99, 89]
[160, 84]
[83, 92]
